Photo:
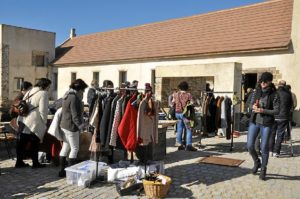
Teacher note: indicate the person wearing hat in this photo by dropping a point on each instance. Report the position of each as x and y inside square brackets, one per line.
[92, 94]
[265, 105]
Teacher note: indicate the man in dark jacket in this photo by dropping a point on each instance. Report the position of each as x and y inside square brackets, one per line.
[281, 119]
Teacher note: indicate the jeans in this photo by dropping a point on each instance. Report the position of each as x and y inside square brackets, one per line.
[279, 129]
[183, 122]
[70, 141]
[265, 132]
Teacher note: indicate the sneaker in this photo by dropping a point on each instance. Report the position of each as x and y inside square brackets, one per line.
[181, 147]
[276, 155]
[190, 148]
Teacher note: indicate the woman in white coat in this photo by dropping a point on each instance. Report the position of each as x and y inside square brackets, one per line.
[35, 122]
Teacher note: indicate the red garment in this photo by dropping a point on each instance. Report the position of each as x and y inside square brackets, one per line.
[127, 127]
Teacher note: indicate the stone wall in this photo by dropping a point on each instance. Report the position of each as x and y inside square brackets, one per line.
[4, 101]
[4, 74]
[277, 74]
[196, 84]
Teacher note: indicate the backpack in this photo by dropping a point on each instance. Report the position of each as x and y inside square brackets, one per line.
[21, 107]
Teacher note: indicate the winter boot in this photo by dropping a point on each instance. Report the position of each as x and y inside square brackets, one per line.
[62, 164]
[263, 172]
[257, 165]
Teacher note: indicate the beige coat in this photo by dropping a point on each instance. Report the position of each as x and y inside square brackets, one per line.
[36, 120]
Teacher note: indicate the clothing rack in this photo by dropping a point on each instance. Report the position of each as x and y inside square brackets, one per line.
[131, 154]
[118, 88]
[233, 110]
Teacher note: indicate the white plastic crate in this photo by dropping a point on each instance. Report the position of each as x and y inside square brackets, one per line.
[82, 174]
[122, 174]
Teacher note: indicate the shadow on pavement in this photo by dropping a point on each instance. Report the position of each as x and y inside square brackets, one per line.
[25, 182]
[185, 176]
[224, 147]
[282, 177]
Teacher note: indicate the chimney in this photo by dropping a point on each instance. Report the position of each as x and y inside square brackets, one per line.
[72, 33]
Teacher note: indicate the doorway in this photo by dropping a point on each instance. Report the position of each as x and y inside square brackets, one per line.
[250, 80]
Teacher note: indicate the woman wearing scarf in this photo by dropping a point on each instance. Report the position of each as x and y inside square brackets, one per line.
[265, 104]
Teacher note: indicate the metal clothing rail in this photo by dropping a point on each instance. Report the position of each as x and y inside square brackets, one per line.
[128, 89]
[232, 125]
[224, 92]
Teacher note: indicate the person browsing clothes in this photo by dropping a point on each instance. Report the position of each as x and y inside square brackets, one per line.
[181, 99]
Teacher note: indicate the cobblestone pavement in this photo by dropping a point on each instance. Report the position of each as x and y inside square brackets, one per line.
[190, 178]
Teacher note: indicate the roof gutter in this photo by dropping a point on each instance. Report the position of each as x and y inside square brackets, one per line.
[284, 48]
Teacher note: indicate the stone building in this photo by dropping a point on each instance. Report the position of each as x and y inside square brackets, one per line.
[228, 48]
[25, 56]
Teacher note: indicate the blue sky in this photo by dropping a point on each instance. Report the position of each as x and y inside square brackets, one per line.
[90, 16]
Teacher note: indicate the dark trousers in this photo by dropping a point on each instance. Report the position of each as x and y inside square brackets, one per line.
[27, 143]
[253, 132]
[288, 131]
[279, 128]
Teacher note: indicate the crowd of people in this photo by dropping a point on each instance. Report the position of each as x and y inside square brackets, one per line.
[270, 108]
[32, 126]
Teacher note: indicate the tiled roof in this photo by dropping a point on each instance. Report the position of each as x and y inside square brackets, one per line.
[262, 26]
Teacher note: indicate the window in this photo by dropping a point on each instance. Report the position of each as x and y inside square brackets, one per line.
[18, 83]
[96, 76]
[39, 59]
[73, 77]
[122, 77]
[55, 81]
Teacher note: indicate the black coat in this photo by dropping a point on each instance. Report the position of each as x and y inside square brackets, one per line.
[271, 106]
[286, 103]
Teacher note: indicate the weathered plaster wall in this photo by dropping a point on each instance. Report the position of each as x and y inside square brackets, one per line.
[22, 42]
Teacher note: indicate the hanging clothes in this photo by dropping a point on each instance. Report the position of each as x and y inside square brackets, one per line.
[223, 114]
[111, 119]
[95, 121]
[228, 104]
[127, 127]
[204, 114]
[97, 112]
[218, 111]
[147, 128]
[116, 122]
[104, 123]
[211, 128]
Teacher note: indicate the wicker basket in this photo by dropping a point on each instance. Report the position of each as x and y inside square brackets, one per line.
[155, 189]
